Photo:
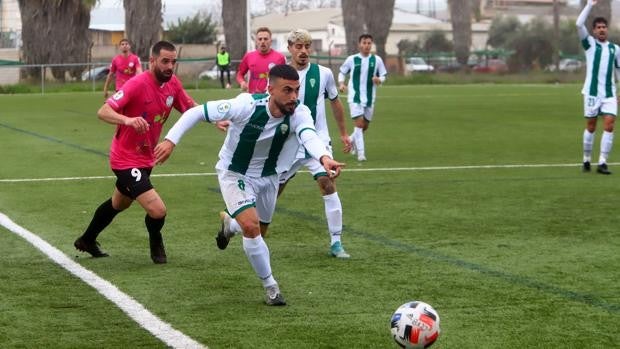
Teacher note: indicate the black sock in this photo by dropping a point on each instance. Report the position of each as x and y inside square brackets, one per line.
[154, 226]
[104, 215]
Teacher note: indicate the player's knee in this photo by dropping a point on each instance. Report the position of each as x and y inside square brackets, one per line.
[326, 185]
[250, 228]
[157, 212]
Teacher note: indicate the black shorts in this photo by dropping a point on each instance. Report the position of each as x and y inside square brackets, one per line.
[134, 181]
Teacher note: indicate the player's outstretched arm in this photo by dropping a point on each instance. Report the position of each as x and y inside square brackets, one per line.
[581, 20]
[332, 167]
[338, 112]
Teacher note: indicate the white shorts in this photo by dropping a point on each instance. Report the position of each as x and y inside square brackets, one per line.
[313, 165]
[241, 192]
[595, 106]
[358, 110]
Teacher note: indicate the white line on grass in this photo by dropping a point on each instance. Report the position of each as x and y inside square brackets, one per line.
[347, 169]
[160, 329]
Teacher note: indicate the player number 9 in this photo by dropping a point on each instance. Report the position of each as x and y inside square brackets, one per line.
[135, 173]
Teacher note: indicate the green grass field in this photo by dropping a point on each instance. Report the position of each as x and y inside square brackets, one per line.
[472, 200]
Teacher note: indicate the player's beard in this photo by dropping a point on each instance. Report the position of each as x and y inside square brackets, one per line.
[286, 108]
[302, 60]
[163, 76]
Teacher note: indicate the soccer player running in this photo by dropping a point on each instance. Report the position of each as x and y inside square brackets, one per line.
[124, 66]
[367, 71]
[139, 110]
[316, 83]
[258, 63]
[599, 88]
[264, 134]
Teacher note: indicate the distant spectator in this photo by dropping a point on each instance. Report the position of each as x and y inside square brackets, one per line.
[258, 63]
[124, 66]
[223, 63]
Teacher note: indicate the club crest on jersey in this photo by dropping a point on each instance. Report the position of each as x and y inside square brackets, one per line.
[283, 128]
[131, 64]
[271, 65]
[118, 95]
[223, 108]
[169, 101]
[312, 82]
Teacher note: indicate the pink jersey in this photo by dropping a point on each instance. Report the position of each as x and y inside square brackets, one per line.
[258, 65]
[143, 97]
[124, 68]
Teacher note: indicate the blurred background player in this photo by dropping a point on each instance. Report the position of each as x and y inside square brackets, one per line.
[223, 63]
[264, 129]
[124, 66]
[599, 88]
[139, 109]
[316, 84]
[258, 62]
[366, 72]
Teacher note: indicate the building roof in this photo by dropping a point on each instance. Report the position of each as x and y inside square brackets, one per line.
[317, 19]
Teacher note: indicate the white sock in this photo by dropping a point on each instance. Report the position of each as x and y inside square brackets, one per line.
[606, 142]
[359, 140]
[235, 227]
[258, 254]
[333, 213]
[588, 140]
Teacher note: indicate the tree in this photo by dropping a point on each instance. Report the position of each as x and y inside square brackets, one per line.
[533, 46]
[569, 43]
[601, 9]
[55, 31]
[235, 27]
[436, 41]
[367, 16]
[502, 31]
[379, 16]
[353, 13]
[199, 29]
[460, 16]
[143, 25]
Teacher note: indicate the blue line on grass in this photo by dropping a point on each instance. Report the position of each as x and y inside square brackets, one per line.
[588, 299]
[55, 140]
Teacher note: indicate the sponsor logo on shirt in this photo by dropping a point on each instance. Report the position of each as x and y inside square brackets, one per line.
[254, 126]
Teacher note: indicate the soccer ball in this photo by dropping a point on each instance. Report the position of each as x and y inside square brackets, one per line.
[415, 325]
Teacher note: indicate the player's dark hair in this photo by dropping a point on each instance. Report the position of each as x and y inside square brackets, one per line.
[124, 40]
[263, 29]
[364, 36]
[282, 71]
[162, 45]
[598, 20]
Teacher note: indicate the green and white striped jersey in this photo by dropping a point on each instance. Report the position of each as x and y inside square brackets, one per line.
[362, 69]
[257, 144]
[317, 83]
[601, 60]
